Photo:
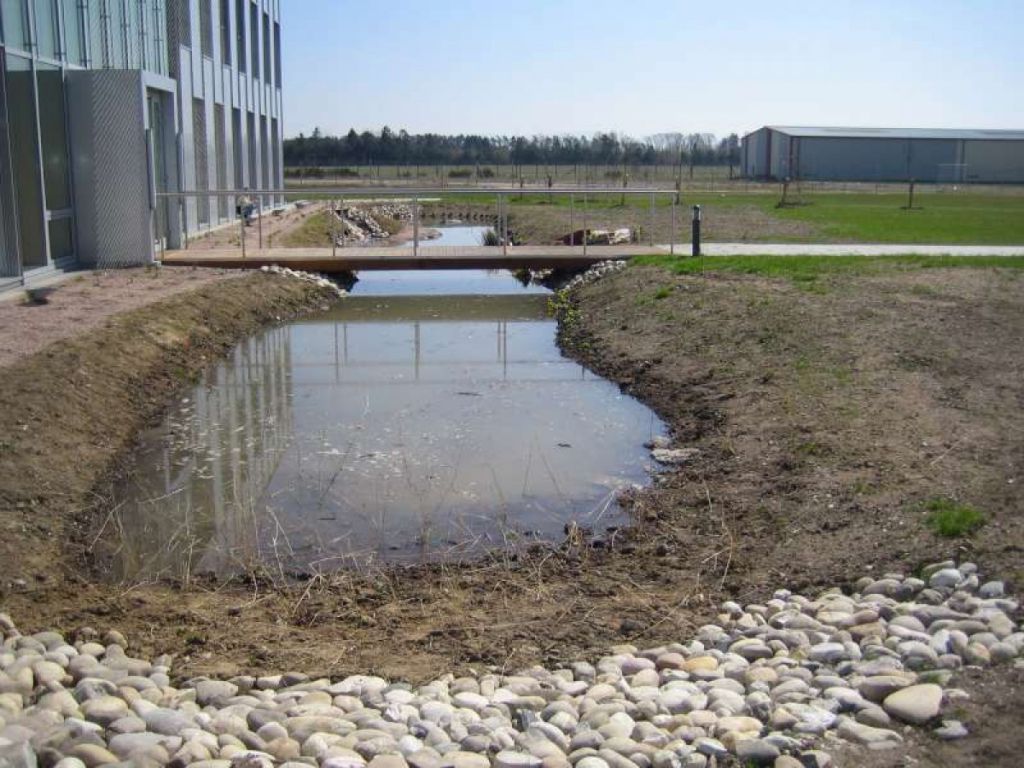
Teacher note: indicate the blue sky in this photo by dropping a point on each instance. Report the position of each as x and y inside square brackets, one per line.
[641, 67]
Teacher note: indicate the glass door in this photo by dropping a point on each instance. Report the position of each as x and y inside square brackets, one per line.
[158, 151]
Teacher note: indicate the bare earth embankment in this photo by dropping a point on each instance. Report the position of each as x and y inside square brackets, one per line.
[828, 414]
[84, 375]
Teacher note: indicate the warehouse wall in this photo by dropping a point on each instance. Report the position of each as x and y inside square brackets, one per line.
[767, 153]
[755, 159]
[874, 159]
[994, 161]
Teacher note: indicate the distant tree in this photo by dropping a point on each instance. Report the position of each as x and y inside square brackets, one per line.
[605, 148]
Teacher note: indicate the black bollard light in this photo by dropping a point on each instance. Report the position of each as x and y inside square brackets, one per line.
[696, 230]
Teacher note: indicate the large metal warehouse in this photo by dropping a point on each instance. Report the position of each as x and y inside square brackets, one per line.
[884, 154]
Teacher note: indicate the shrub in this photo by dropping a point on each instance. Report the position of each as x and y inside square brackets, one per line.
[950, 518]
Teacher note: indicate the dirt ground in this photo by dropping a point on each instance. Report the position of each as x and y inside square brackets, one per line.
[826, 412]
[86, 300]
[272, 226]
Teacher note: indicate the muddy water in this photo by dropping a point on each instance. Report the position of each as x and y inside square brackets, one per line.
[427, 416]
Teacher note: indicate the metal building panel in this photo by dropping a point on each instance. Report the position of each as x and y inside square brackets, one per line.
[994, 161]
[754, 166]
[949, 134]
[853, 159]
[777, 163]
[110, 159]
[932, 159]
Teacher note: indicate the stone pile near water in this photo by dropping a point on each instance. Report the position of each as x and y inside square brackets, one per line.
[596, 272]
[398, 211]
[306, 277]
[768, 684]
[365, 222]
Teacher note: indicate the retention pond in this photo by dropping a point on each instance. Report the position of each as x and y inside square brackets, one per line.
[428, 416]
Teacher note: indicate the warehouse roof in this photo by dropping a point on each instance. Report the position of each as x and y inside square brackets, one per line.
[897, 133]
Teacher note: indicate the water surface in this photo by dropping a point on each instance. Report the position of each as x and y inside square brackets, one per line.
[428, 415]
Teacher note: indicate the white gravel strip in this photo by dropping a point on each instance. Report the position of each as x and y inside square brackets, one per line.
[768, 684]
[306, 277]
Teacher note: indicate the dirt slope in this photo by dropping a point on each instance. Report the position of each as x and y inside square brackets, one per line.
[70, 411]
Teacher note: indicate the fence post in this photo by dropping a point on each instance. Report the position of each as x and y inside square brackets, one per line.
[260, 219]
[696, 230]
[241, 225]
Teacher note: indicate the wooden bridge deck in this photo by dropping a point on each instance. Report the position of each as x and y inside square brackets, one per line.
[428, 257]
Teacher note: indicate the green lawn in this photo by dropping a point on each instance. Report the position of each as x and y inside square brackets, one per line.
[936, 218]
[810, 267]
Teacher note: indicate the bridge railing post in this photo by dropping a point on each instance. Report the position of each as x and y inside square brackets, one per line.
[584, 224]
[416, 227]
[502, 217]
[572, 226]
[672, 234]
[652, 220]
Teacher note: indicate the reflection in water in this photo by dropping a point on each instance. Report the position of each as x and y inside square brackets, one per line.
[397, 428]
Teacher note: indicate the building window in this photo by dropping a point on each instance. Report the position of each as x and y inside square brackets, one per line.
[250, 136]
[225, 32]
[202, 159]
[254, 39]
[99, 36]
[61, 239]
[237, 148]
[118, 55]
[220, 145]
[277, 54]
[28, 189]
[206, 27]
[158, 27]
[275, 151]
[264, 153]
[133, 36]
[267, 71]
[15, 23]
[46, 29]
[240, 33]
[50, 81]
[74, 32]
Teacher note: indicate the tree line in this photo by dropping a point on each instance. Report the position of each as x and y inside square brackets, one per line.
[402, 148]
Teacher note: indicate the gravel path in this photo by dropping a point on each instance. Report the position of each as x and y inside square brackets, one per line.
[772, 684]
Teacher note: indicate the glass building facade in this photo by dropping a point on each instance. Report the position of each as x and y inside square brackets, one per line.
[94, 90]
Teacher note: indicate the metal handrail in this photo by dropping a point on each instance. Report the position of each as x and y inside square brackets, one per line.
[416, 193]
